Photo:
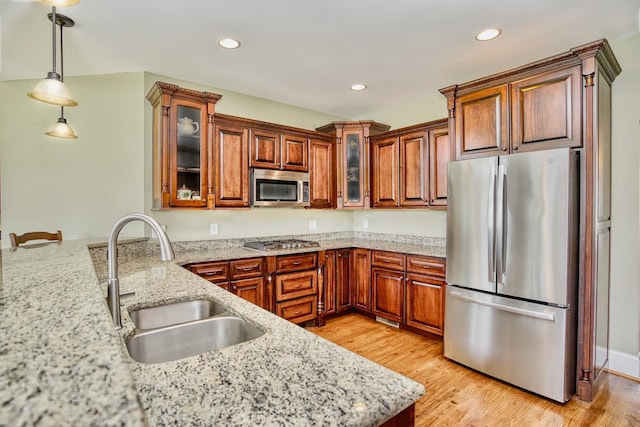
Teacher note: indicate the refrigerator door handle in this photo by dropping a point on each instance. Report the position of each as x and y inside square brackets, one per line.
[501, 228]
[516, 310]
[490, 226]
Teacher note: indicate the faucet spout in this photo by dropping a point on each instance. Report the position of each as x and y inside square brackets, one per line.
[113, 283]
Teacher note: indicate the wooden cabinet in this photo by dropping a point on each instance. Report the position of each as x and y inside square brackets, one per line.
[409, 166]
[361, 280]
[343, 280]
[538, 111]
[182, 121]
[231, 171]
[271, 149]
[425, 293]
[243, 277]
[560, 101]
[387, 283]
[352, 160]
[295, 278]
[330, 278]
[322, 187]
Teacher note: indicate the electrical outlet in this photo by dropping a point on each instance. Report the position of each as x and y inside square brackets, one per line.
[313, 224]
[213, 228]
[365, 223]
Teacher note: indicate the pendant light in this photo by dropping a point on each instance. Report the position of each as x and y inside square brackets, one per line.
[61, 128]
[51, 89]
[61, 3]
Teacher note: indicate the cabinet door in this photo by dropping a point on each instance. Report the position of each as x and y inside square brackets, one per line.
[322, 177]
[298, 310]
[482, 120]
[188, 154]
[546, 111]
[330, 282]
[215, 271]
[439, 157]
[295, 154]
[388, 293]
[232, 166]
[384, 173]
[265, 149]
[425, 303]
[361, 280]
[245, 268]
[251, 290]
[414, 169]
[353, 184]
[343, 280]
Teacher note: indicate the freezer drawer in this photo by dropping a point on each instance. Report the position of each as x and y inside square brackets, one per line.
[528, 345]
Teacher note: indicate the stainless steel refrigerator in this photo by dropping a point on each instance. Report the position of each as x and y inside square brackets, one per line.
[511, 276]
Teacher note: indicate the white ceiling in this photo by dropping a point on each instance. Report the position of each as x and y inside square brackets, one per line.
[307, 52]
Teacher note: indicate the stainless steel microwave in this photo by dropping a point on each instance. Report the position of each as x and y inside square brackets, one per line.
[276, 188]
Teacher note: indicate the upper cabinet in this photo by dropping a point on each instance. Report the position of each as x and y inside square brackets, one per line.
[409, 166]
[231, 165]
[322, 187]
[182, 120]
[539, 109]
[270, 149]
[352, 160]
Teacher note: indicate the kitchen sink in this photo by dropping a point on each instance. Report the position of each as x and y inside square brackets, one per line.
[175, 313]
[189, 339]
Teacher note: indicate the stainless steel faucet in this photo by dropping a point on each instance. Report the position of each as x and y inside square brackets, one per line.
[113, 289]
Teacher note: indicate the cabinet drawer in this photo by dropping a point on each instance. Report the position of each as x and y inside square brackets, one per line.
[246, 268]
[216, 271]
[298, 310]
[294, 285]
[426, 265]
[296, 262]
[390, 260]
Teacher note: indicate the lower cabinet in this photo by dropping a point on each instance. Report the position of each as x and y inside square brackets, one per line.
[337, 289]
[295, 279]
[361, 280]
[388, 293]
[425, 293]
[243, 277]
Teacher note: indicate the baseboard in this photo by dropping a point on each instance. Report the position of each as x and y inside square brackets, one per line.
[624, 363]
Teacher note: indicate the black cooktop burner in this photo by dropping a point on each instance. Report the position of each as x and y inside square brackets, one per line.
[272, 245]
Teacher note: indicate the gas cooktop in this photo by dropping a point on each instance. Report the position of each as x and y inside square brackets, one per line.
[272, 245]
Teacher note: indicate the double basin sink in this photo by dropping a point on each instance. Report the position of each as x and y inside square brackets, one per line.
[187, 328]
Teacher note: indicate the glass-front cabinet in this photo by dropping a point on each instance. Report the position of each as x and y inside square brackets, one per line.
[352, 160]
[183, 161]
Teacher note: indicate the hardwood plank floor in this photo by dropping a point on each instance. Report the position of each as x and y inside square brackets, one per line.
[458, 396]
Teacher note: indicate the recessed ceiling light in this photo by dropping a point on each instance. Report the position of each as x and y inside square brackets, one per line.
[488, 34]
[358, 86]
[228, 43]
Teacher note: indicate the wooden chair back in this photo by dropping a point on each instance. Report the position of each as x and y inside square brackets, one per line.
[34, 235]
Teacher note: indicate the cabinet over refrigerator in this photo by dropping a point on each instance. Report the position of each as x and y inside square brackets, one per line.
[511, 308]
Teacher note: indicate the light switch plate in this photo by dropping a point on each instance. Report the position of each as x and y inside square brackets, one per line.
[213, 228]
[365, 223]
[313, 224]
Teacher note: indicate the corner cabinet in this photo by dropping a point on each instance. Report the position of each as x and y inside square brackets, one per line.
[409, 166]
[560, 101]
[352, 160]
[182, 164]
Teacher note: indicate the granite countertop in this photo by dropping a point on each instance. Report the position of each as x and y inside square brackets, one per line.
[63, 363]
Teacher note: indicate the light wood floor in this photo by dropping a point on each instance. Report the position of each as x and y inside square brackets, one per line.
[458, 396]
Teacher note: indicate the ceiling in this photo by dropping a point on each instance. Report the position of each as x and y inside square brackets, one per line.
[308, 52]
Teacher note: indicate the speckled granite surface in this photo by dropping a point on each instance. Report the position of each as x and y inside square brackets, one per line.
[62, 363]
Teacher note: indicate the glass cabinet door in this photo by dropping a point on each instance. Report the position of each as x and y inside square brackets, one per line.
[189, 188]
[353, 188]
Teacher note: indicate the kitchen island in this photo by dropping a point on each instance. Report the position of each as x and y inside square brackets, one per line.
[62, 362]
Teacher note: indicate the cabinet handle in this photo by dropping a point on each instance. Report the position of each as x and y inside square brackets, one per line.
[297, 262]
[249, 268]
[297, 312]
[212, 273]
[299, 285]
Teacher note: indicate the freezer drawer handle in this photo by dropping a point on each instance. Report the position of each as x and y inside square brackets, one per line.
[523, 311]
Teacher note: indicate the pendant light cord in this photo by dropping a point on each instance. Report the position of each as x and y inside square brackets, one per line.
[53, 26]
[61, 58]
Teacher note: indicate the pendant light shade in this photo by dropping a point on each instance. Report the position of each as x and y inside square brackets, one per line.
[61, 129]
[52, 91]
[61, 3]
